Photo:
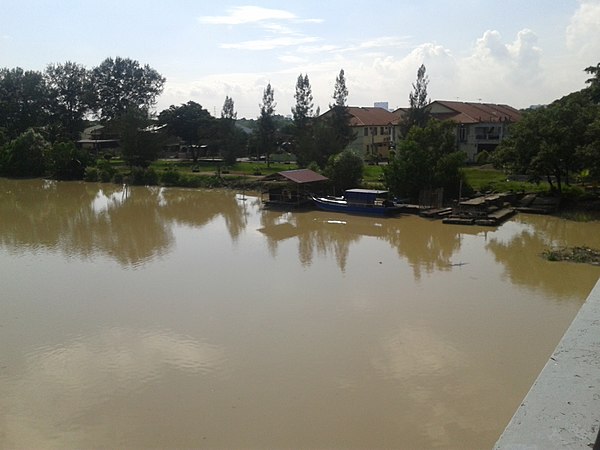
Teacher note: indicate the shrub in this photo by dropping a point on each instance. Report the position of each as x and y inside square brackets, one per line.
[170, 177]
[91, 174]
[144, 177]
[483, 157]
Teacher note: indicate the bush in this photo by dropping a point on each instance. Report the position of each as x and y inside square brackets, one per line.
[105, 170]
[144, 177]
[483, 157]
[91, 174]
[170, 177]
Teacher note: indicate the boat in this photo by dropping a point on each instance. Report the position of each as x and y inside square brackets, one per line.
[359, 201]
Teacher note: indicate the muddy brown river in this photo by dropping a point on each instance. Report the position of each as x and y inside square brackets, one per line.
[172, 318]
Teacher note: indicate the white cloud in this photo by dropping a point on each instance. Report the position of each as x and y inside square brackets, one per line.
[583, 31]
[248, 14]
[496, 70]
[270, 43]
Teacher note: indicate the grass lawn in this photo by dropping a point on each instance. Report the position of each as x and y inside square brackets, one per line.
[484, 179]
[480, 178]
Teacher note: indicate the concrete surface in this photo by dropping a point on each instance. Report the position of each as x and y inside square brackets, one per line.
[562, 408]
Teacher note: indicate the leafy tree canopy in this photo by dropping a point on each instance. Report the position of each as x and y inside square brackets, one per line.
[71, 95]
[426, 159]
[24, 100]
[185, 120]
[553, 142]
[121, 84]
[345, 170]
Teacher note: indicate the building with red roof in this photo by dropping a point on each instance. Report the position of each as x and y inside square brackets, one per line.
[479, 126]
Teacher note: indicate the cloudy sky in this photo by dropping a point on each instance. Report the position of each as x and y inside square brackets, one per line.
[517, 52]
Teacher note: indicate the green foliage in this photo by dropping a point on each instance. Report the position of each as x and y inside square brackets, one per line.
[426, 159]
[66, 162]
[334, 133]
[121, 84]
[170, 177]
[139, 145]
[144, 176]
[228, 110]
[266, 123]
[106, 171]
[184, 121]
[303, 111]
[482, 157]
[556, 142]
[345, 170]
[23, 101]
[71, 96]
[91, 174]
[417, 114]
[25, 156]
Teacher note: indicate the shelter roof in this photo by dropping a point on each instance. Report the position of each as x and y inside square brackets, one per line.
[299, 176]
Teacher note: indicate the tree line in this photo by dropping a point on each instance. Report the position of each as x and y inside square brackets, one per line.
[560, 142]
[43, 114]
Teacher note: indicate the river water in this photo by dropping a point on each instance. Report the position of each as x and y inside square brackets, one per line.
[174, 318]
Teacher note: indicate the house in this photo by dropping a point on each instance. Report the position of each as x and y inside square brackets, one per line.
[479, 126]
[96, 139]
[376, 131]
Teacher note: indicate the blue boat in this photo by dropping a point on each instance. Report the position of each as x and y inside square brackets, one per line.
[359, 201]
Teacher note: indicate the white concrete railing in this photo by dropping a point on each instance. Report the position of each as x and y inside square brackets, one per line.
[562, 408]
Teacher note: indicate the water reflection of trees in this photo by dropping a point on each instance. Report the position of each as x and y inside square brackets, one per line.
[426, 245]
[521, 255]
[132, 226]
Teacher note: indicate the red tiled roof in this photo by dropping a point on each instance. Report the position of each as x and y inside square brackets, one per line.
[302, 176]
[465, 112]
[371, 116]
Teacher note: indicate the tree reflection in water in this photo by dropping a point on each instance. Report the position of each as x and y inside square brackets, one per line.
[89, 219]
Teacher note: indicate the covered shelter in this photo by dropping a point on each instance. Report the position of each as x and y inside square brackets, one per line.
[292, 188]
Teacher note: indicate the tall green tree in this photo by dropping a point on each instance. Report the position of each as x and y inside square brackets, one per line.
[25, 156]
[140, 145]
[426, 159]
[228, 110]
[418, 100]
[594, 82]
[71, 94]
[302, 112]
[121, 84]
[232, 138]
[266, 122]
[24, 101]
[547, 144]
[184, 120]
[339, 118]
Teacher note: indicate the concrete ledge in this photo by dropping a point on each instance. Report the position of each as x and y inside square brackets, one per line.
[562, 408]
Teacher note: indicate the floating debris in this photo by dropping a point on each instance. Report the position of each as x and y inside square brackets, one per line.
[574, 254]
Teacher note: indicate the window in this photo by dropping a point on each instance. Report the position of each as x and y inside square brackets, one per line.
[366, 131]
[382, 131]
[374, 131]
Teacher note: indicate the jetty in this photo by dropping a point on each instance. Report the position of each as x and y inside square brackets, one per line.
[486, 210]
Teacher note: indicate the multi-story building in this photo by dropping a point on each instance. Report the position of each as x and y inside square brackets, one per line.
[376, 131]
[479, 126]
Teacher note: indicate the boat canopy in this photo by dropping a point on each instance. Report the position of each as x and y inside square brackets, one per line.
[364, 195]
